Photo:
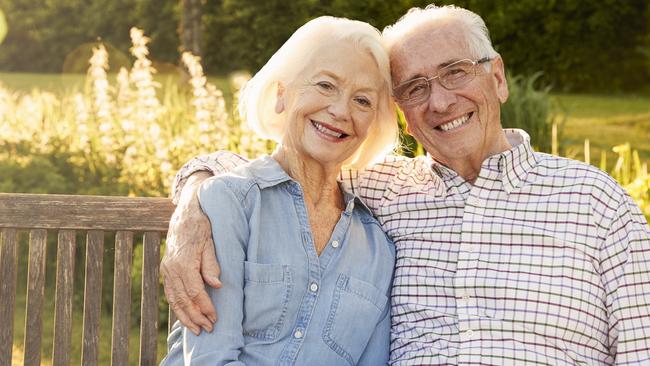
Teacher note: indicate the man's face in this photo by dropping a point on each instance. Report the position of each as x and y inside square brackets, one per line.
[463, 123]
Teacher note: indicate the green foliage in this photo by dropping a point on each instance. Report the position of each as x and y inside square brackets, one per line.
[244, 34]
[580, 45]
[530, 108]
[3, 26]
[44, 32]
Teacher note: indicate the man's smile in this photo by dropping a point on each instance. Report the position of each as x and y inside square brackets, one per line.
[460, 121]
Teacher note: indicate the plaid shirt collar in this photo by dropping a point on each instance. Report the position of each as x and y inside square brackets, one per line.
[512, 165]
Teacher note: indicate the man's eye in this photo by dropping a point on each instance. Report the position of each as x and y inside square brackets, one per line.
[456, 72]
[417, 89]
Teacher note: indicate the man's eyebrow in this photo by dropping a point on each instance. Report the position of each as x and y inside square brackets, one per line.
[449, 62]
[440, 66]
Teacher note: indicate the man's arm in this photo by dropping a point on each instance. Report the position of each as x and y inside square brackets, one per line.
[189, 259]
[625, 271]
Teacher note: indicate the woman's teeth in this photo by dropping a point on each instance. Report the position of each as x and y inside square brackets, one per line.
[455, 123]
[327, 131]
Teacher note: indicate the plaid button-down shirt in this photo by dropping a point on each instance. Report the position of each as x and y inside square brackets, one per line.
[542, 261]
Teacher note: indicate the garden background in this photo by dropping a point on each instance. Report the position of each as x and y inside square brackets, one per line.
[111, 97]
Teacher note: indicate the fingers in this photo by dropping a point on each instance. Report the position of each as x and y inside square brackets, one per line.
[173, 286]
[210, 269]
[197, 300]
[186, 296]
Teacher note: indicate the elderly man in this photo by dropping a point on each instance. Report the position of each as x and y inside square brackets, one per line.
[504, 255]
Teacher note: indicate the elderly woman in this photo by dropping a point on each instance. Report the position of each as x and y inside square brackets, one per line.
[306, 269]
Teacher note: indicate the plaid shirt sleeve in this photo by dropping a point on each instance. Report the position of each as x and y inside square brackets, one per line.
[216, 163]
[625, 273]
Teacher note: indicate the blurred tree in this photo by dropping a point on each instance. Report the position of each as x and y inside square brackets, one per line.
[243, 34]
[44, 32]
[191, 27]
[3, 26]
[579, 45]
[595, 45]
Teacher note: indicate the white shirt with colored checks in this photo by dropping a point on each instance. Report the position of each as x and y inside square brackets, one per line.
[542, 261]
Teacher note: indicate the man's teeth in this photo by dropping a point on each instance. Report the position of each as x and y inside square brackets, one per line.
[326, 130]
[455, 123]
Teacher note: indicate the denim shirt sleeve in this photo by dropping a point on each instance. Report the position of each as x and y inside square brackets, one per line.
[378, 348]
[230, 224]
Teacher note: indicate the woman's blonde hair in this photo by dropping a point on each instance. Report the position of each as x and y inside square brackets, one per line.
[259, 95]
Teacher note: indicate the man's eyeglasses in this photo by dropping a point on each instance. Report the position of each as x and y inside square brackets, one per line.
[450, 77]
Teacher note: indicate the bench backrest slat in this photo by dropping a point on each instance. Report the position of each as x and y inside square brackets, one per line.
[149, 302]
[8, 267]
[35, 296]
[84, 212]
[63, 298]
[92, 297]
[122, 297]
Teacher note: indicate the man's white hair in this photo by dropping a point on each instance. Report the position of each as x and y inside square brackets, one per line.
[476, 33]
[259, 96]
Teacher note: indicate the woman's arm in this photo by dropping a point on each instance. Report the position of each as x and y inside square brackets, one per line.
[189, 258]
[229, 222]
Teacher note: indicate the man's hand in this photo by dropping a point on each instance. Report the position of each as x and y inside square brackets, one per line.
[190, 260]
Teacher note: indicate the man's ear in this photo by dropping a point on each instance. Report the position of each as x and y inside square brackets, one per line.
[500, 79]
[279, 101]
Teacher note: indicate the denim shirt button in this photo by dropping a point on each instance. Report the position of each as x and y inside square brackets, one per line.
[313, 287]
[335, 244]
[297, 334]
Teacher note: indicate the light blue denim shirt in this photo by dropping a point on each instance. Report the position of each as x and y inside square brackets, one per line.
[281, 303]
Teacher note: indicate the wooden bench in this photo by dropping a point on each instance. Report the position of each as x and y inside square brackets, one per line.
[95, 216]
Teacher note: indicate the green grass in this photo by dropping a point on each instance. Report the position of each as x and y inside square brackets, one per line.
[606, 121]
[65, 83]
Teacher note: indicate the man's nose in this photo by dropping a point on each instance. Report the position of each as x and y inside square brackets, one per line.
[440, 98]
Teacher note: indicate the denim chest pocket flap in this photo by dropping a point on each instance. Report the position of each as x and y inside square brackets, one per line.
[354, 313]
[267, 290]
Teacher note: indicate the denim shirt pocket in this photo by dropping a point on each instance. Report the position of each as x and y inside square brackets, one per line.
[354, 313]
[267, 291]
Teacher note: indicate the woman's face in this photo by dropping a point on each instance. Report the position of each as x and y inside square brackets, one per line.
[331, 104]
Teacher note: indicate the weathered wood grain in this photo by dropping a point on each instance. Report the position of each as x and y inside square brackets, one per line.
[63, 298]
[122, 297]
[35, 296]
[92, 297]
[149, 303]
[51, 211]
[8, 267]
[96, 215]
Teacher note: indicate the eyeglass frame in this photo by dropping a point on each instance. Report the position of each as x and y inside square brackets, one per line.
[406, 102]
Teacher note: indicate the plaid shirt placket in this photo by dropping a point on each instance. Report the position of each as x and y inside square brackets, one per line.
[543, 261]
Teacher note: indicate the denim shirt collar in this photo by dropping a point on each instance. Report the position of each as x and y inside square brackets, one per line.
[267, 173]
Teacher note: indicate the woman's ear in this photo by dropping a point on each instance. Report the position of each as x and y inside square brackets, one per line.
[279, 101]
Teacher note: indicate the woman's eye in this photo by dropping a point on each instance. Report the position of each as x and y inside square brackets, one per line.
[363, 101]
[325, 85]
